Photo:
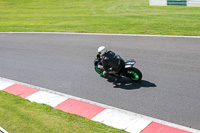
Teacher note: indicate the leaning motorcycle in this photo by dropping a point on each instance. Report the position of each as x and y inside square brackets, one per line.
[128, 71]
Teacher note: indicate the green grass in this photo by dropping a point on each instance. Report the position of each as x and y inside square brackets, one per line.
[18, 115]
[98, 16]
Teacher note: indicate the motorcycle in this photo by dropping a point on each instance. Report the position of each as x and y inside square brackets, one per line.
[128, 71]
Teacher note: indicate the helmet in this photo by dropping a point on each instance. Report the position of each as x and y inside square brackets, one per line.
[102, 50]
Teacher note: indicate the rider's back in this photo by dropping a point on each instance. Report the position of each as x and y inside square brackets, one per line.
[114, 61]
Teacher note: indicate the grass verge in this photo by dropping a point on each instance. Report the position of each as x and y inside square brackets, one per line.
[18, 115]
[102, 16]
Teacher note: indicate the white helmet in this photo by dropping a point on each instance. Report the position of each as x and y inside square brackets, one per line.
[102, 50]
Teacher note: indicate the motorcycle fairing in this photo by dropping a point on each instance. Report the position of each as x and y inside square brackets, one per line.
[129, 63]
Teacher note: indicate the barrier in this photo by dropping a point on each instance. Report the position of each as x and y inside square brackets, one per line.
[175, 2]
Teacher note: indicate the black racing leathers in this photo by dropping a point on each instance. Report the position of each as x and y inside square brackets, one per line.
[113, 61]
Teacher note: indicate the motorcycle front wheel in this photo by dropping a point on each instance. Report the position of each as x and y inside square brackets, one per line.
[99, 71]
[134, 74]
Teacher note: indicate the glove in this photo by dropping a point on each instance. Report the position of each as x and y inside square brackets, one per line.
[100, 67]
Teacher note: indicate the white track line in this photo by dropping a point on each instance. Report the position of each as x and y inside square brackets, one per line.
[100, 34]
[3, 130]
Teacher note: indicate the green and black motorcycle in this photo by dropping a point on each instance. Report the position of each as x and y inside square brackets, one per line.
[128, 71]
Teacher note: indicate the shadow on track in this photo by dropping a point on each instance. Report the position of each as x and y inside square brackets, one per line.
[127, 84]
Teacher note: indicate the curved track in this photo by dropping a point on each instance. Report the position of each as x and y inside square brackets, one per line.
[170, 88]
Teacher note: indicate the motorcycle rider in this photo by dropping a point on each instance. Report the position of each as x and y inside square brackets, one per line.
[110, 62]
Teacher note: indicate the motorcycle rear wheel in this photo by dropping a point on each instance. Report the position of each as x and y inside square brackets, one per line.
[134, 74]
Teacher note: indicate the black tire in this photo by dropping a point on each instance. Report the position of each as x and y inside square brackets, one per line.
[134, 74]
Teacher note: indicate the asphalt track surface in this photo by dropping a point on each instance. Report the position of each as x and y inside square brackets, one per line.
[170, 89]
